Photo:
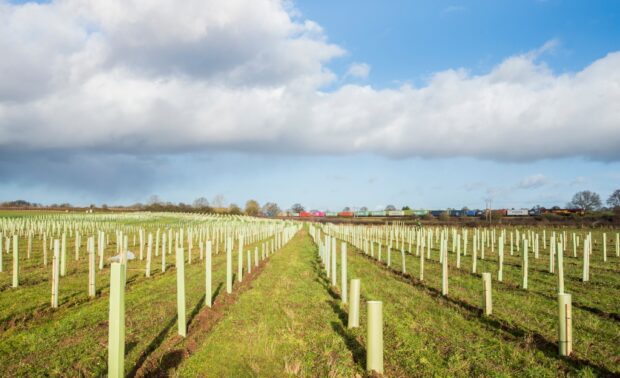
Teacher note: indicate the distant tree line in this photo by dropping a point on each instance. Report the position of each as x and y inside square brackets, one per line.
[585, 200]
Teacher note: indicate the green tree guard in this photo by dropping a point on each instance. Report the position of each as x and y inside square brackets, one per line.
[163, 253]
[149, 255]
[354, 305]
[524, 265]
[240, 261]
[55, 273]
[560, 269]
[2, 253]
[63, 255]
[487, 299]
[374, 339]
[116, 323]
[444, 268]
[422, 264]
[91, 266]
[333, 262]
[229, 266]
[180, 267]
[208, 277]
[565, 332]
[343, 271]
[15, 262]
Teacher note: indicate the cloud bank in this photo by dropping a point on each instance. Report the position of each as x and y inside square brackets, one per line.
[155, 77]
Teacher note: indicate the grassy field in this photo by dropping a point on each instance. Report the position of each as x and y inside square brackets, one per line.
[72, 339]
[37, 340]
[288, 324]
[426, 334]
[520, 338]
[285, 319]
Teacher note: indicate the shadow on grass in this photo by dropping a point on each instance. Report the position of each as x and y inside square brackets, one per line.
[171, 359]
[358, 351]
[596, 311]
[196, 310]
[153, 345]
[217, 292]
[200, 304]
[355, 347]
[130, 346]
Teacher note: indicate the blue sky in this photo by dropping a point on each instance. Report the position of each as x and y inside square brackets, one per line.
[409, 40]
[330, 104]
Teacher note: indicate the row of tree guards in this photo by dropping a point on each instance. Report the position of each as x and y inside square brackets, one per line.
[374, 340]
[54, 232]
[373, 240]
[153, 235]
[50, 228]
[116, 331]
[106, 238]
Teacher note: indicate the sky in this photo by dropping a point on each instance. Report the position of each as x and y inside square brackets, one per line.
[429, 104]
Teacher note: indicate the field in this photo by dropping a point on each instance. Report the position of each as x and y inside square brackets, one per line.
[285, 317]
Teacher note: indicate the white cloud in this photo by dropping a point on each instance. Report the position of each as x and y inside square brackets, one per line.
[156, 77]
[534, 181]
[359, 70]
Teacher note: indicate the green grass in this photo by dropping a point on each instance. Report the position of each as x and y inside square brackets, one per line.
[519, 339]
[291, 322]
[72, 340]
[288, 324]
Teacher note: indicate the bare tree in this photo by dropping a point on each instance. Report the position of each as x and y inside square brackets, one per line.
[271, 209]
[614, 199]
[390, 208]
[585, 200]
[252, 207]
[154, 200]
[201, 202]
[297, 208]
[346, 208]
[219, 201]
[363, 208]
